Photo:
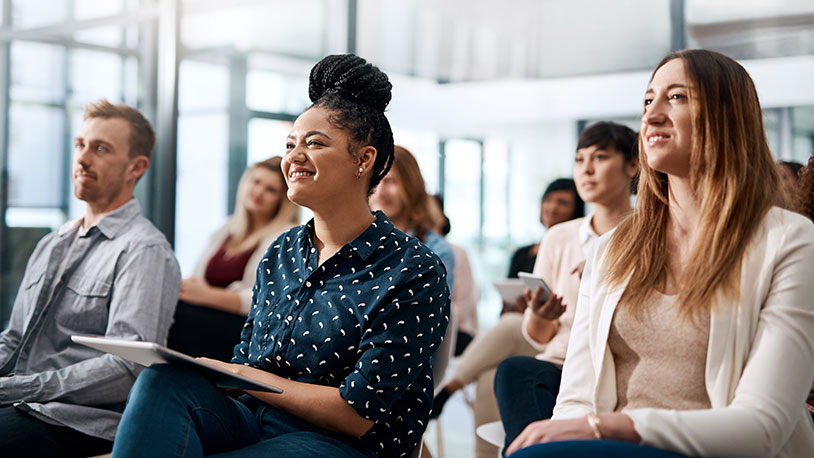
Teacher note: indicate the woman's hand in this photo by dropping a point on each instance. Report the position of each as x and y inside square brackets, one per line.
[614, 426]
[549, 310]
[194, 290]
[552, 430]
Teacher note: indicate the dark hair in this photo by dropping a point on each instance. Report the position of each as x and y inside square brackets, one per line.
[356, 94]
[805, 189]
[142, 137]
[567, 184]
[608, 134]
[793, 167]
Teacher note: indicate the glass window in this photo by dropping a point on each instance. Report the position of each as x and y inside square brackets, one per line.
[106, 36]
[202, 86]
[496, 186]
[27, 14]
[802, 133]
[462, 189]
[425, 147]
[94, 75]
[36, 177]
[201, 184]
[89, 9]
[37, 72]
[276, 93]
[268, 26]
[266, 138]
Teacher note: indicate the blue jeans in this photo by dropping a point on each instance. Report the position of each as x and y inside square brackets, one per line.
[174, 412]
[591, 449]
[526, 390]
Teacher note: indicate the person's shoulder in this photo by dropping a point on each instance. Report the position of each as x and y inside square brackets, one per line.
[565, 230]
[783, 223]
[140, 231]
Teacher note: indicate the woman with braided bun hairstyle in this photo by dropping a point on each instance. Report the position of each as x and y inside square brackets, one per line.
[347, 310]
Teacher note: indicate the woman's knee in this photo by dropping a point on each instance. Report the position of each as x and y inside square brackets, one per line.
[513, 368]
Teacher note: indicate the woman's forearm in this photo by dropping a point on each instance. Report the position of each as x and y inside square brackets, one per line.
[317, 404]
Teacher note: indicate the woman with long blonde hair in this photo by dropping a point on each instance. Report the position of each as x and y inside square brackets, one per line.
[214, 301]
[694, 332]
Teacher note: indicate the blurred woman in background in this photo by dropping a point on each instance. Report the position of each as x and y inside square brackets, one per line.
[214, 301]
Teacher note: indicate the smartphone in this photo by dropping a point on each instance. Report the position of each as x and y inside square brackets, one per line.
[532, 282]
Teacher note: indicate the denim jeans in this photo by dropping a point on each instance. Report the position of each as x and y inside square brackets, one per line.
[592, 449]
[174, 412]
[526, 389]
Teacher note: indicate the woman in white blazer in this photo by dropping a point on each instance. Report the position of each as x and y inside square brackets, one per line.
[694, 329]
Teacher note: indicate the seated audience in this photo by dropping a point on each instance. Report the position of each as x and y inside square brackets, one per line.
[217, 297]
[347, 310]
[109, 273]
[694, 331]
[560, 203]
[605, 166]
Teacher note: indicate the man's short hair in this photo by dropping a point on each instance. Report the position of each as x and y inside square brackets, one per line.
[142, 136]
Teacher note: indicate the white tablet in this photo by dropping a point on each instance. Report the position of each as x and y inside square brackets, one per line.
[149, 353]
[510, 289]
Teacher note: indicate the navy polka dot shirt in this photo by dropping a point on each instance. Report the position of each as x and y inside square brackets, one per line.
[367, 320]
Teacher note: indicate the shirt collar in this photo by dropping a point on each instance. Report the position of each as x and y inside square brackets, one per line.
[586, 234]
[110, 225]
[373, 236]
[364, 244]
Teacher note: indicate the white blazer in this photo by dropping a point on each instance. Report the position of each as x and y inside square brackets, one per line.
[760, 358]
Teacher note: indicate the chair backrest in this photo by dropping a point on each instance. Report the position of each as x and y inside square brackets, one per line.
[445, 353]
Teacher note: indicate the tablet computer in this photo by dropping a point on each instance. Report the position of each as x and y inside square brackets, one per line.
[510, 289]
[149, 353]
[533, 282]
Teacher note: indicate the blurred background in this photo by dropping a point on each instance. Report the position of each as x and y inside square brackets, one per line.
[490, 95]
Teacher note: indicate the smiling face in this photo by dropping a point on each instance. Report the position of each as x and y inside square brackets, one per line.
[103, 172]
[317, 166]
[263, 193]
[667, 120]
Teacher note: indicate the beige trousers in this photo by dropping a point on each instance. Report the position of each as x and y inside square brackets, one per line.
[479, 363]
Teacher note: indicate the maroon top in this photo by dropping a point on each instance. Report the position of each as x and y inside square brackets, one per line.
[222, 269]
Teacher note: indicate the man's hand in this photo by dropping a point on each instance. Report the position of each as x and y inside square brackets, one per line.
[550, 310]
[194, 290]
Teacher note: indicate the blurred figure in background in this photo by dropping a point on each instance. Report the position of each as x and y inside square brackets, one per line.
[560, 203]
[465, 293]
[214, 301]
[403, 197]
[790, 173]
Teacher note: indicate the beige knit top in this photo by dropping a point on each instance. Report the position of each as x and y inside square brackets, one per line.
[659, 357]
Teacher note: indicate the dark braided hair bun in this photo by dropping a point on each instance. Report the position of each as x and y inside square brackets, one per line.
[356, 94]
[351, 77]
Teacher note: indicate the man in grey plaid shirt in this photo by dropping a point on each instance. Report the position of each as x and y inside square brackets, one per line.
[109, 273]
